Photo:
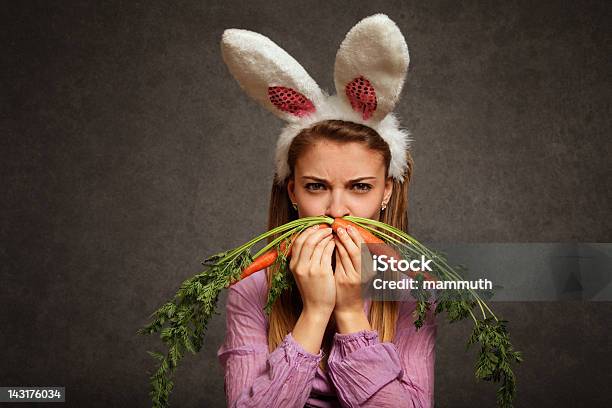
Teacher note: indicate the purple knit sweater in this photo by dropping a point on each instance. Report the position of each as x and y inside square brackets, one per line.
[363, 372]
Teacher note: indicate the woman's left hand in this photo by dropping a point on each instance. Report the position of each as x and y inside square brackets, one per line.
[348, 272]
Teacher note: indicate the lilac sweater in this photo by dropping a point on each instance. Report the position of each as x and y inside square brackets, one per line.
[362, 371]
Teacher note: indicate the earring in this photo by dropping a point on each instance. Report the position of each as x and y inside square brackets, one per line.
[295, 207]
[384, 205]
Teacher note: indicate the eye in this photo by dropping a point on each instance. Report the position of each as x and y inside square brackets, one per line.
[313, 186]
[362, 186]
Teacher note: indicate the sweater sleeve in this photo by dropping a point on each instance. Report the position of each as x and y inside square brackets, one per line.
[253, 377]
[369, 373]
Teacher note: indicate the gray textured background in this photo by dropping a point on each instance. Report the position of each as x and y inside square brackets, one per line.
[117, 123]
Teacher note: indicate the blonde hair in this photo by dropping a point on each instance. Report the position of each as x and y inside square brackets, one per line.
[287, 308]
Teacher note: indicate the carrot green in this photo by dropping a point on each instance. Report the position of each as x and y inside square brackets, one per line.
[182, 321]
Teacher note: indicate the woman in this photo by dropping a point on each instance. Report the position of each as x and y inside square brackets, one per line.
[328, 347]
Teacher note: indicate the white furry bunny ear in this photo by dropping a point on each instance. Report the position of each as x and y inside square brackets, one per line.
[371, 66]
[270, 75]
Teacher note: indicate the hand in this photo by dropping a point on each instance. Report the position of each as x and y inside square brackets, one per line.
[311, 267]
[348, 272]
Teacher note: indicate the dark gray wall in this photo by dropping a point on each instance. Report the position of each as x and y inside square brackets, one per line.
[117, 124]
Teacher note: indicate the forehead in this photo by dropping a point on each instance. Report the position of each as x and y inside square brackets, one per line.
[340, 161]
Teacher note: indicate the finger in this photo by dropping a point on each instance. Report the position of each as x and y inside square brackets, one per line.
[318, 252]
[347, 239]
[312, 241]
[345, 259]
[353, 249]
[355, 235]
[299, 241]
[327, 253]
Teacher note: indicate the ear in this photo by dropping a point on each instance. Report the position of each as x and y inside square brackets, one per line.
[388, 189]
[270, 75]
[371, 66]
[291, 190]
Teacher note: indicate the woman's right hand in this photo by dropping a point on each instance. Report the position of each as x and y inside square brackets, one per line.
[311, 265]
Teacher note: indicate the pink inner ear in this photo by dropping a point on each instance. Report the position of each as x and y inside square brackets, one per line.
[362, 96]
[289, 100]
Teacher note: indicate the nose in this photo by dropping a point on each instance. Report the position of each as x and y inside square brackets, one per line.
[337, 207]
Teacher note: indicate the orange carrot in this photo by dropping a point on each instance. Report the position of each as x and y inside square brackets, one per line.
[263, 261]
[266, 259]
[367, 236]
[370, 238]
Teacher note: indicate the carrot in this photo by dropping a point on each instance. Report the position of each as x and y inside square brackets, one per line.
[370, 238]
[262, 262]
[266, 259]
[367, 236]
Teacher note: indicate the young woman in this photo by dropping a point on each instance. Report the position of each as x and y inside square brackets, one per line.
[329, 347]
[325, 345]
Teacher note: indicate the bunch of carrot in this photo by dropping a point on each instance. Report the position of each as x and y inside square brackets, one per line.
[268, 258]
[182, 321]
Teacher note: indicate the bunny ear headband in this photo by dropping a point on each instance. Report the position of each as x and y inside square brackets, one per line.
[369, 73]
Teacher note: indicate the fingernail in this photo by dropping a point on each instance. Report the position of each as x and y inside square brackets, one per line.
[341, 231]
[316, 227]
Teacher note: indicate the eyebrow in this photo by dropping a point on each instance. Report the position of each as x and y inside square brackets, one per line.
[320, 180]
